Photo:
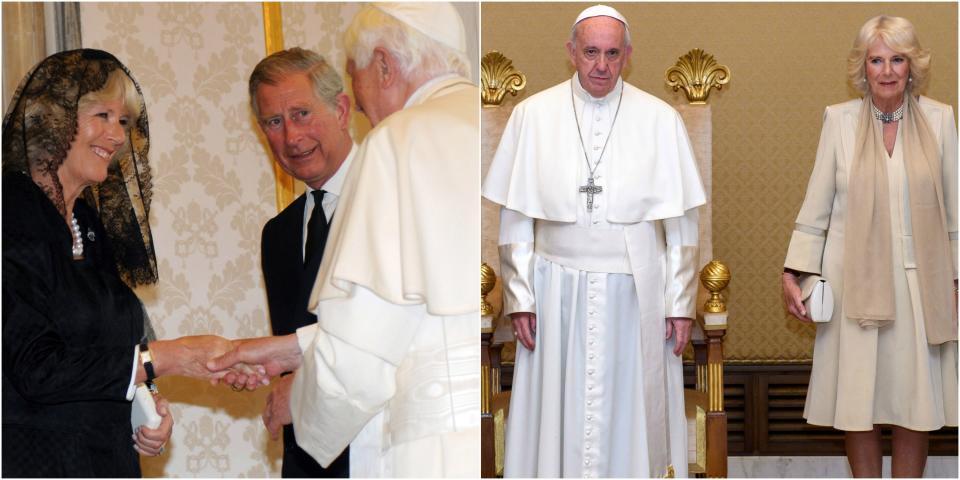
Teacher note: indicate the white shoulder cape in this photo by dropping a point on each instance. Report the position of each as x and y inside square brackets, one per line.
[407, 227]
[651, 170]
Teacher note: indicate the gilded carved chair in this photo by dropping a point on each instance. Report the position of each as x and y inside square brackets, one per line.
[696, 73]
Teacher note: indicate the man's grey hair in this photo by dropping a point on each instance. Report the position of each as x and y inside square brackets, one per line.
[325, 80]
[626, 33]
[414, 51]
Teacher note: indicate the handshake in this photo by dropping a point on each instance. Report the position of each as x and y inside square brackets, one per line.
[242, 364]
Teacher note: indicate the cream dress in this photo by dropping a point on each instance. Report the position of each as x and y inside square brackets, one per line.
[867, 376]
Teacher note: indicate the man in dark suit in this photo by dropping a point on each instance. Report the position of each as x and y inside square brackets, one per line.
[300, 106]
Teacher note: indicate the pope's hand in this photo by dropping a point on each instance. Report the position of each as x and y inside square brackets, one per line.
[271, 356]
[276, 414]
[680, 327]
[793, 297]
[525, 328]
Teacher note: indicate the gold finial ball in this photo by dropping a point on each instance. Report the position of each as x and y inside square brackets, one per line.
[715, 276]
[487, 279]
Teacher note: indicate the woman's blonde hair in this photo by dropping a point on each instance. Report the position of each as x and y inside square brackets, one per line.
[898, 34]
[117, 86]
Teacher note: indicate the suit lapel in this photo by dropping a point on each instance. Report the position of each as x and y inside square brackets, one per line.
[293, 243]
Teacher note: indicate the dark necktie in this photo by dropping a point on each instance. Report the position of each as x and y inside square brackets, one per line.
[317, 229]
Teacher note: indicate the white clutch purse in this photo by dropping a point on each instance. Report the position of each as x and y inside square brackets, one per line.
[144, 410]
[817, 298]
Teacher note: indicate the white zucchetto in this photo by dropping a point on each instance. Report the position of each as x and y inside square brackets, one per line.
[600, 11]
[437, 20]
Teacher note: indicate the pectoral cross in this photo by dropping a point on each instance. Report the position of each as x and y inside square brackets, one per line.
[590, 189]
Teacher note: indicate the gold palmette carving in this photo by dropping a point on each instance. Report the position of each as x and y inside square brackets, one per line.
[715, 276]
[696, 73]
[488, 278]
[497, 78]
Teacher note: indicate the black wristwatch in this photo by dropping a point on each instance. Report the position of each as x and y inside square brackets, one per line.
[147, 360]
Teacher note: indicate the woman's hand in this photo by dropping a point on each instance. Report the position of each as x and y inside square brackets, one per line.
[792, 298]
[188, 356]
[150, 441]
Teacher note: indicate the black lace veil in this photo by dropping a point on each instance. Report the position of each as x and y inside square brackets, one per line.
[38, 128]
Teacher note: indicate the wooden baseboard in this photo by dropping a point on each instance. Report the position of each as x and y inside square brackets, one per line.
[764, 404]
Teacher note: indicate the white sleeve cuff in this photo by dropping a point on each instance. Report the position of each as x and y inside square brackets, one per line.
[132, 388]
[305, 336]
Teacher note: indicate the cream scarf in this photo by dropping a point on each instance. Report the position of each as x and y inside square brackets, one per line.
[868, 256]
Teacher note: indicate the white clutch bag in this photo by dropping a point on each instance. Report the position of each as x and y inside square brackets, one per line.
[144, 410]
[817, 298]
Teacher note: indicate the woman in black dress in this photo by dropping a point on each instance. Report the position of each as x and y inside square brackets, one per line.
[76, 238]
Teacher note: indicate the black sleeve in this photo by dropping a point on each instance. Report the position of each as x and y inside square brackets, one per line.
[41, 364]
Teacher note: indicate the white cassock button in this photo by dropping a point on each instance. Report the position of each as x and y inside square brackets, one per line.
[590, 372]
[593, 296]
[596, 134]
[591, 342]
[595, 222]
[586, 462]
[587, 446]
[597, 118]
[589, 418]
[591, 356]
[593, 327]
[589, 403]
[596, 147]
[588, 432]
[590, 387]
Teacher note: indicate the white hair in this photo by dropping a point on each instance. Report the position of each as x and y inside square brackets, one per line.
[626, 32]
[414, 51]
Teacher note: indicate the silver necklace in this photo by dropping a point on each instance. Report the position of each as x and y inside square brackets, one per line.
[77, 239]
[590, 188]
[894, 116]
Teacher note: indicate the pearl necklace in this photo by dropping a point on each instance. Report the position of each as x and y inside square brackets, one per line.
[77, 239]
[894, 116]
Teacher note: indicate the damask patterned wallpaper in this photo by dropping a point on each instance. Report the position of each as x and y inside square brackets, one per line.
[788, 63]
[213, 191]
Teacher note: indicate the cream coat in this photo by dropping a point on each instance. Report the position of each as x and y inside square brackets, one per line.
[906, 381]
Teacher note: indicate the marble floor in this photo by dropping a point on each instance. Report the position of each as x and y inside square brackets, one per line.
[822, 467]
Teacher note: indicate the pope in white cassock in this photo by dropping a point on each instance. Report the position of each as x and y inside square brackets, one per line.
[598, 249]
[392, 368]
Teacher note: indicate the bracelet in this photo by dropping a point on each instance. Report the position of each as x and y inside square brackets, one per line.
[147, 360]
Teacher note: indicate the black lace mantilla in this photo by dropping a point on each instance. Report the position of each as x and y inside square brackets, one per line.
[38, 128]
